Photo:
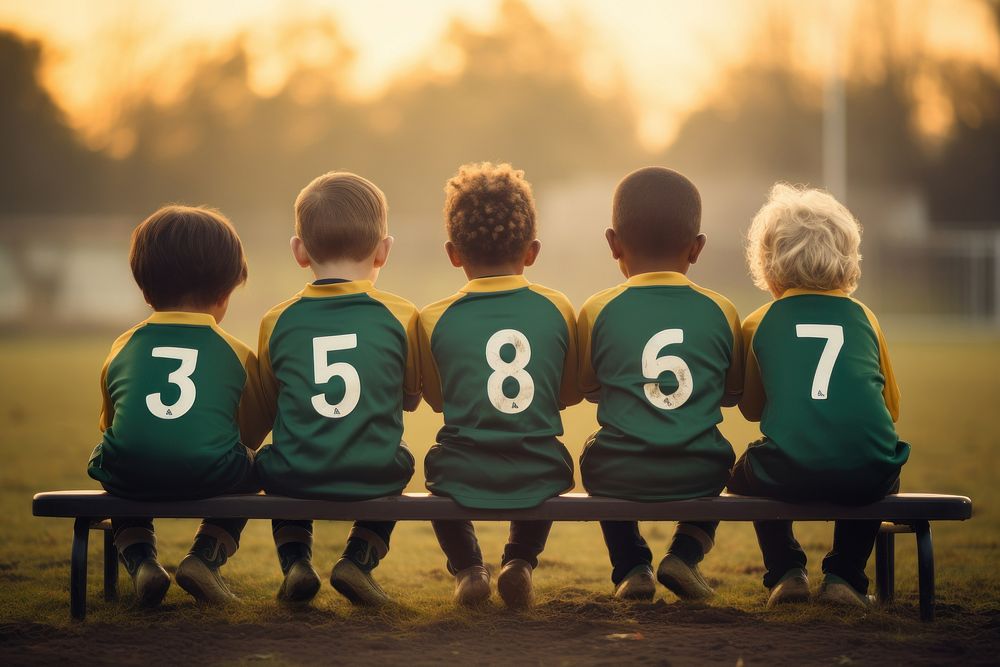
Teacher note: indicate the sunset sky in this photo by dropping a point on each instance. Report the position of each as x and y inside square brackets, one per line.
[669, 53]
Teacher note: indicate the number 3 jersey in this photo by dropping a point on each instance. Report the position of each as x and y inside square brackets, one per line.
[178, 391]
[820, 382]
[335, 362]
[660, 354]
[498, 358]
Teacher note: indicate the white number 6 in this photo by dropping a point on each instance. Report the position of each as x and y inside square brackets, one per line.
[324, 371]
[653, 366]
[834, 335]
[180, 377]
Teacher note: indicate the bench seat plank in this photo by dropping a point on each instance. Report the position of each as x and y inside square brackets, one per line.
[901, 508]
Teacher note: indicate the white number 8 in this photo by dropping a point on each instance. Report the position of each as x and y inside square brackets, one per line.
[653, 366]
[512, 369]
[324, 371]
[180, 377]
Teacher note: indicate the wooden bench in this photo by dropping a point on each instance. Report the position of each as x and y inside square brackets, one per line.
[903, 513]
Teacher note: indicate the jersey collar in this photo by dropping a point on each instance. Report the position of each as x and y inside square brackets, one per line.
[178, 317]
[495, 284]
[795, 291]
[337, 289]
[658, 278]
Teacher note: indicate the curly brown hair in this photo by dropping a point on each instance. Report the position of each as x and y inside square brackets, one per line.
[489, 212]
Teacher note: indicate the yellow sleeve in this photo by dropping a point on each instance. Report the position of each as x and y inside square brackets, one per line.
[737, 360]
[251, 414]
[407, 315]
[586, 376]
[753, 399]
[890, 392]
[107, 406]
[569, 390]
[430, 379]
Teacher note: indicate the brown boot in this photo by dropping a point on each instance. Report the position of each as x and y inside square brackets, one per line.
[472, 586]
[514, 584]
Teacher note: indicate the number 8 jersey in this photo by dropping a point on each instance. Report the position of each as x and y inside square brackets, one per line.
[661, 355]
[178, 394]
[498, 359]
[820, 382]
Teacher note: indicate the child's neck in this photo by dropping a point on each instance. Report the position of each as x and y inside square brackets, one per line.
[474, 271]
[634, 266]
[345, 270]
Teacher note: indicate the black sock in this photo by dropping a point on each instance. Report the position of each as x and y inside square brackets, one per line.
[209, 550]
[687, 548]
[291, 552]
[133, 555]
[361, 553]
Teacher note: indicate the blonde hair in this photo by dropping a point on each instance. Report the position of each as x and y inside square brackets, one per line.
[489, 212]
[804, 238]
[340, 215]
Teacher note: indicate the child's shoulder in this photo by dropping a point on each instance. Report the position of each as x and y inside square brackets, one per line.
[724, 304]
[557, 298]
[241, 349]
[596, 303]
[402, 309]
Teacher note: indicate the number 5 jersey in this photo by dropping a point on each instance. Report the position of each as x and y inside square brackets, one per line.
[661, 355]
[820, 382]
[498, 358]
[335, 363]
[180, 401]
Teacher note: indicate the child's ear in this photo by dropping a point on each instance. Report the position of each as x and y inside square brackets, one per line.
[697, 247]
[382, 252]
[531, 252]
[299, 252]
[456, 259]
[613, 243]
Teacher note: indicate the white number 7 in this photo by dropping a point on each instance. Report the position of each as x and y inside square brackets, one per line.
[834, 335]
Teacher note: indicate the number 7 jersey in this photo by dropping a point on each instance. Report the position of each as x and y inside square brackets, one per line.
[498, 359]
[820, 382]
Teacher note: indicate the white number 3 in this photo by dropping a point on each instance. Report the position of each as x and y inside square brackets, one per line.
[180, 377]
[834, 335]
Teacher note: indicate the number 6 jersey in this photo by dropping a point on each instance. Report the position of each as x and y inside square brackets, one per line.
[498, 359]
[335, 363]
[820, 382]
[661, 355]
[178, 392]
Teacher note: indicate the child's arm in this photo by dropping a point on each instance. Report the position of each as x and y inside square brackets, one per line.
[569, 389]
[589, 387]
[257, 407]
[411, 377]
[753, 400]
[735, 376]
[890, 391]
[430, 380]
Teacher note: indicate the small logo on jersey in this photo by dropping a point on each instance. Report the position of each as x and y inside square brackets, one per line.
[336, 411]
[513, 406]
[820, 394]
[169, 413]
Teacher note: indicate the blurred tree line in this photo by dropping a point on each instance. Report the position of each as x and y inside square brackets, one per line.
[513, 92]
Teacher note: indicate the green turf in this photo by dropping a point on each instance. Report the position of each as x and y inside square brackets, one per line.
[49, 416]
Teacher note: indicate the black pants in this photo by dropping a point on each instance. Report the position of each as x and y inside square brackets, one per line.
[286, 530]
[458, 541]
[853, 541]
[136, 530]
[628, 549]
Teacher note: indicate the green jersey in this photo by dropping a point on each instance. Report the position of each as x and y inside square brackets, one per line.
[819, 381]
[335, 363]
[177, 391]
[661, 355]
[498, 359]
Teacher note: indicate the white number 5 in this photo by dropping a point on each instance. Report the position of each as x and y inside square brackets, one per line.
[834, 335]
[181, 377]
[324, 371]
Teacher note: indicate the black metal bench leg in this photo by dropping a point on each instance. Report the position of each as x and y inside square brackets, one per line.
[110, 567]
[78, 569]
[885, 567]
[925, 569]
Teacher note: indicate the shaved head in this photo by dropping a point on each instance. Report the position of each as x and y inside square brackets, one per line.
[656, 212]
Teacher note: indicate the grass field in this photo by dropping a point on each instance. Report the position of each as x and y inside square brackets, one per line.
[48, 414]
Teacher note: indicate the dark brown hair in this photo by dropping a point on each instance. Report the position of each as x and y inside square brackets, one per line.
[186, 255]
[656, 212]
[489, 212]
[340, 215]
